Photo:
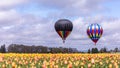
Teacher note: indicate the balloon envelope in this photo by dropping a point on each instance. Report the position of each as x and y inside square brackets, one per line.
[63, 27]
[94, 32]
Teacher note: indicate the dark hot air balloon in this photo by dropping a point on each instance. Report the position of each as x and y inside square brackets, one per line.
[63, 27]
[94, 32]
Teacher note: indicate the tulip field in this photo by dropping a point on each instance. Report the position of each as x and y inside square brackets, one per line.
[12, 60]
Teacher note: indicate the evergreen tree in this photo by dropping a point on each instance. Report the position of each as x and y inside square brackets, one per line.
[89, 51]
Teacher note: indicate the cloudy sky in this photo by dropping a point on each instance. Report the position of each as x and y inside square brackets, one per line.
[31, 22]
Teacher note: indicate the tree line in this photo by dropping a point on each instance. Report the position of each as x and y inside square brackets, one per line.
[20, 48]
[103, 50]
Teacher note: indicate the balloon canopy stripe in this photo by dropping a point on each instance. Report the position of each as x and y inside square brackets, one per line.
[63, 34]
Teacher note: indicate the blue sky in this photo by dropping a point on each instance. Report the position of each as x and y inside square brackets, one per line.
[31, 22]
[113, 8]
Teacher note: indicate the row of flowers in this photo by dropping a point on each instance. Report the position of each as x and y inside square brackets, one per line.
[59, 60]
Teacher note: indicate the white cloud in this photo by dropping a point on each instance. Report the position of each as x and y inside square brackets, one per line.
[38, 30]
[73, 7]
[7, 17]
[8, 4]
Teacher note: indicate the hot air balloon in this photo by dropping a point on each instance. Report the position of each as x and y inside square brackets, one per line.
[63, 27]
[94, 32]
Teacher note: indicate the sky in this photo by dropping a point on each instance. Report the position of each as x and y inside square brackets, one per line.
[31, 22]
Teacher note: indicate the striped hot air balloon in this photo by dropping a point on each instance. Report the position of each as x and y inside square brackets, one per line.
[63, 27]
[94, 32]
